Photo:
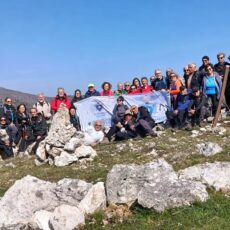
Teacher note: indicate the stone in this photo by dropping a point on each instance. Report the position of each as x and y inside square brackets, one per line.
[65, 159]
[40, 220]
[22, 202]
[72, 144]
[85, 151]
[41, 151]
[66, 217]
[124, 182]
[167, 194]
[94, 200]
[214, 175]
[54, 151]
[24, 198]
[209, 149]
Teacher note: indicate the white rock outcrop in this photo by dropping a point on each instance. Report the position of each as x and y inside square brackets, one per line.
[31, 201]
[63, 145]
[214, 175]
[154, 185]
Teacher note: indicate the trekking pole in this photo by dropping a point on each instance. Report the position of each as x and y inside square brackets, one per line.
[221, 97]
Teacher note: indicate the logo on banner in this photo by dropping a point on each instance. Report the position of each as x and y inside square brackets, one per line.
[99, 107]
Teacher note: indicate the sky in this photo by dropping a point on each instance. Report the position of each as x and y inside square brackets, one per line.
[48, 44]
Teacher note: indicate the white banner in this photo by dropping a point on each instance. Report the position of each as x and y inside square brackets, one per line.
[101, 108]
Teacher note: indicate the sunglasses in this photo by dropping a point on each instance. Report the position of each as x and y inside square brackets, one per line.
[8, 101]
[3, 119]
[220, 57]
[127, 85]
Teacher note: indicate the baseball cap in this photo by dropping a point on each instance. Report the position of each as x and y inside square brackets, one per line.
[90, 85]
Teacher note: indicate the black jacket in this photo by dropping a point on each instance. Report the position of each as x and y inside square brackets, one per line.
[38, 126]
[220, 68]
[76, 123]
[198, 102]
[144, 114]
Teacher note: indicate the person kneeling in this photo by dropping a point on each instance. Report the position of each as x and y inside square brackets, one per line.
[126, 128]
[37, 129]
[143, 121]
[198, 109]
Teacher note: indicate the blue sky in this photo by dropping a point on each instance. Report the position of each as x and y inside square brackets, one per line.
[50, 43]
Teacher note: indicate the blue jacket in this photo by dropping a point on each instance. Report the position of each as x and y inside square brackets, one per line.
[183, 102]
[94, 93]
[218, 84]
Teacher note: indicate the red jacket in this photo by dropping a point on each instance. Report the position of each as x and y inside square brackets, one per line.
[55, 104]
[146, 89]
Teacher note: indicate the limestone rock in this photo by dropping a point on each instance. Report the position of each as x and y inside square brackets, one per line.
[23, 201]
[72, 144]
[40, 220]
[66, 217]
[85, 151]
[41, 151]
[72, 191]
[94, 200]
[124, 182]
[65, 159]
[167, 194]
[214, 175]
[209, 149]
[24, 198]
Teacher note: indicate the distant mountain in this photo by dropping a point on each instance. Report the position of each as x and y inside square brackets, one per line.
[19, 97]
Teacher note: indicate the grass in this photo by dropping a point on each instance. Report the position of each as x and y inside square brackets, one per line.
[213, 214]
[178, 149]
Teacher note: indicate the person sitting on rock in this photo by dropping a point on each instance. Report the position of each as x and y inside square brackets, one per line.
[143, 121]
[5, 146]
[118, 115]
[60, 100]
[126, 128]
[198, 109]
[119, 110]
[74, 118]
[94, 134]
[181, 108]
[37, 130]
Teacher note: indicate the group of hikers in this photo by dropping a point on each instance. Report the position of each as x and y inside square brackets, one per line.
[194, 100]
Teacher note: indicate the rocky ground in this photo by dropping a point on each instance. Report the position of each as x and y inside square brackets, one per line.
[180, 150]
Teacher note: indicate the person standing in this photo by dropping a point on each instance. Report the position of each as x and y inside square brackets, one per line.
[60, 99]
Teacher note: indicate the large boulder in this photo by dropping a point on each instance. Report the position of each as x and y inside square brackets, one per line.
[214, 175]
[170, 194]
[124, 182]
[23, 201]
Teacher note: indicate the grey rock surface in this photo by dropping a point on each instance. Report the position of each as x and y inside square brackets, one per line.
[209, 149]
[170, 194]
[124, 182]
[214, 175]
[66, 217]
[30, 195]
